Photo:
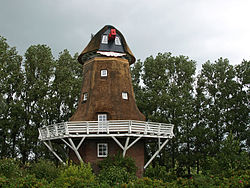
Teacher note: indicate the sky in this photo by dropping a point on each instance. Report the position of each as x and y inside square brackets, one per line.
[200, 29]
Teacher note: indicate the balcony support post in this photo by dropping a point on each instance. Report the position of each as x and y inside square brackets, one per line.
[49, 146]
[75, 150]
[125, 147]
[156, 153]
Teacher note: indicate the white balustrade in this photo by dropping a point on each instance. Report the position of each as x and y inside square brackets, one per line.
[117, 127]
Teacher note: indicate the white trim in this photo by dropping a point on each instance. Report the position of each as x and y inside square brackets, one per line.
[112, 54]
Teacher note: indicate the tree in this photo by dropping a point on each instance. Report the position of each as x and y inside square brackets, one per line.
[166, 95]
[38, 67]
[11, 83]
[66, 87]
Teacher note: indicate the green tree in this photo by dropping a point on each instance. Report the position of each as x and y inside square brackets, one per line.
[239, 111]
[11, 83]
[66, 87]
[166, 95]
[38, 67]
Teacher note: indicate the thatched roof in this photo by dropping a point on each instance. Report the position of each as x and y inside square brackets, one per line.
[95, 42]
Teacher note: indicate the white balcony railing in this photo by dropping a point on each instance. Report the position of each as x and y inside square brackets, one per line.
[112, 127]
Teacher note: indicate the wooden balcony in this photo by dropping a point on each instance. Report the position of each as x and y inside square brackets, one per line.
[106, 129]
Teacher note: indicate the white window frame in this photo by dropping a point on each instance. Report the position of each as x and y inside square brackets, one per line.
[104, 39]
[102, 149]
[85, 96]
[125, 95]
[104, 73]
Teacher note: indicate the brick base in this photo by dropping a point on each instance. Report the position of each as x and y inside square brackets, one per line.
[88, 152]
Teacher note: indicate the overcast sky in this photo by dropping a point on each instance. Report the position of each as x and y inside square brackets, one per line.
[200, 29]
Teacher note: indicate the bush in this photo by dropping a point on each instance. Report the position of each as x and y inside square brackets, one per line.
[76, 176]
[115, 175]
[9, 168]
[160, 173]
[44, 169]
[118, 160]
[25, 182]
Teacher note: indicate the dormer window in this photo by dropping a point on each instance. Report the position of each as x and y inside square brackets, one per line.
[125, 95]
[117, 41]
[104, 39]
[104, 73]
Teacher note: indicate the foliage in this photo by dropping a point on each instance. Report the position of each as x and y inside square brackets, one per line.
[76, 176]
[228, 160]
[160, 173]
[82, 176]
[44, 169]
[117, 169]
[38, 89]
[9, 168]
[115, 175]
[119, 161]
[28, 181]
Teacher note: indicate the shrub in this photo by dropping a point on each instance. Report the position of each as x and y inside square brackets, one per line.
[118, 160]
[115, 175]
[23, 182]
[44, 169]
[3, 181]
[76, 176]
[160, 173]
[9, 168]
[146, 183]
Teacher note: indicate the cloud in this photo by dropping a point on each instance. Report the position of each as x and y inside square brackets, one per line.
[199, 29]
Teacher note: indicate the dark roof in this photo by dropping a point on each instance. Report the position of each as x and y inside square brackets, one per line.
[95, 42]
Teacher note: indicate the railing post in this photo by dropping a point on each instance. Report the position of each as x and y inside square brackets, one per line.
[48, 134]
[40, 134]
[107, 126]
[56, 130]
[129, 127]
[146, 128]
[87, 127]
[66, 128]
[159, 129]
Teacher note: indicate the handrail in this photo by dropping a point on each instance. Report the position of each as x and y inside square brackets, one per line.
[106, 127]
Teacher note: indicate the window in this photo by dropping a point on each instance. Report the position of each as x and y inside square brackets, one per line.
[125, 95]
[102, 117]
[117, 41]
[104, 73]
[102, 150]
[85, 97]
[104, 39]
[102, 123]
